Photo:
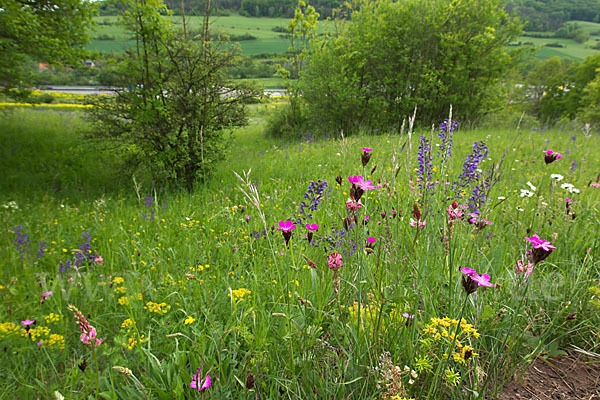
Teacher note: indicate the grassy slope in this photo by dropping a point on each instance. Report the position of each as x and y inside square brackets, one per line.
[202, 227]
[571, 49]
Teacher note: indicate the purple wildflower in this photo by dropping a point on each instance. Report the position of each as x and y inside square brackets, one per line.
[41, 250]
[425, 164]
[21, 240]
[469, 172]
[447, 129]
[314, 195]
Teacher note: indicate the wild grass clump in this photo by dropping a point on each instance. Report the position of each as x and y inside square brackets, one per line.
[426, 265]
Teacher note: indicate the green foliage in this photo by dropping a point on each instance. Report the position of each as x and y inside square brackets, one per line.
[173, 117]
[285, 8]
[559, 88]
[393, 56]
[549, 83]
[51, 31]
[303, 33]
[590, 112]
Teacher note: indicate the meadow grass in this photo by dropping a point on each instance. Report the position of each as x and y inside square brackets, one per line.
[180, 284]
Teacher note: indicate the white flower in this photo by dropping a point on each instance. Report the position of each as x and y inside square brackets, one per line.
[501, 198]
[520, 209]
[11, 205]
[526, 193]
[533, 188]
[557, 177]
[570, 187]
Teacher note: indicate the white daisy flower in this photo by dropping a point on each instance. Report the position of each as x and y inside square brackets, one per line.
[526, 193]
[570, 187]
[557, 177]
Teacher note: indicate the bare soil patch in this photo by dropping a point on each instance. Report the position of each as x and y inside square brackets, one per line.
[569, 377]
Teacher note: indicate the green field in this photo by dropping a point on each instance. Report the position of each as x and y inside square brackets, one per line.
[571, 49]
[202, 283]
[267, 41]
[270, 42]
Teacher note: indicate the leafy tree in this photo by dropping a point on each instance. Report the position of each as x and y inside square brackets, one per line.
[50, 31]
[173, 118]
[590, 112]
[559, 88]
[393, 56]
[303, 32]
[551, 88]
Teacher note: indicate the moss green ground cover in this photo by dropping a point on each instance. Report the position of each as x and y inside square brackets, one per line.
[202, 284]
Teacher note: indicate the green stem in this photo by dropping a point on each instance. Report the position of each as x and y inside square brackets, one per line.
[487, 379]
[97, 370]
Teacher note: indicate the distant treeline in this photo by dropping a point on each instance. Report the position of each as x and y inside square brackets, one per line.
[550, 15]
[250, 8]
[538, 15]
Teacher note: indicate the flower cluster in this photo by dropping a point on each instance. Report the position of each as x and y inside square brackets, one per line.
[551, 156]
[334, 261]
[437, 336]
[425, 170]
[541, 249]
[159, 308]
[479, 196]
[84, 254]
[472, 280]
[314, 195]
[340, 239]
[148, 204]
[417, 221]
[240, 293]
[21, 240]
[447, 129]
[286, 228]
[199, 382]
[359, 186]
[470, 169]
[365, 156]
[88, 332]
[392, 377]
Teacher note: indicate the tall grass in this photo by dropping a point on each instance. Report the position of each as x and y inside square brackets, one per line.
[180, 284]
